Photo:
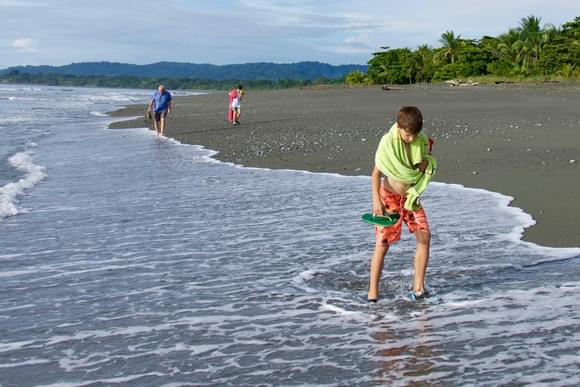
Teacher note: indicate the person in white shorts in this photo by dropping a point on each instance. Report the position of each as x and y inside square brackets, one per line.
[236, 105]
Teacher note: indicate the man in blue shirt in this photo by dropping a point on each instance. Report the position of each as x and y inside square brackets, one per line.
[161, 105]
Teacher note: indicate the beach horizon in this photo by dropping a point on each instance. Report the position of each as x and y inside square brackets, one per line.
[518, 140]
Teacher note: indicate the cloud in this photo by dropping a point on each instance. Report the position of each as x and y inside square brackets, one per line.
[355, 44]
[21, 4]
[25, 44]
[305, 15]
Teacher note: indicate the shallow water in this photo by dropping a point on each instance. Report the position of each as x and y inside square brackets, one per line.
[134, 260]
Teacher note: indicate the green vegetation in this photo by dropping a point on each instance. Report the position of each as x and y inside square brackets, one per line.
[15, 76]
[529, 52]
[357, 78]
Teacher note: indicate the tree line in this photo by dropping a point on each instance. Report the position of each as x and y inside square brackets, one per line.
[529, 51]
[246, 71]
[134, 82]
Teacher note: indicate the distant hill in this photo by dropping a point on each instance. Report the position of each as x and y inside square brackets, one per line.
[247, 71]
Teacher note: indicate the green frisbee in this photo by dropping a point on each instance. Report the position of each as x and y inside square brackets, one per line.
[381, 220]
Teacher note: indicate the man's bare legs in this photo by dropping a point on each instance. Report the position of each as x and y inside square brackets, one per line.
[155, 125]
[377, 262]
[421, 260]
[162, 125]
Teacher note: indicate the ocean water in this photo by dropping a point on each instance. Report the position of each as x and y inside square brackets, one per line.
[126, 259]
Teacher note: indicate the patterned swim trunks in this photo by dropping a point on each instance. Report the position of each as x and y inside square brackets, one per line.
[415, 220]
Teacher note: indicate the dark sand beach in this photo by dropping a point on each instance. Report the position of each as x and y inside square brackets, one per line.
[519, 140]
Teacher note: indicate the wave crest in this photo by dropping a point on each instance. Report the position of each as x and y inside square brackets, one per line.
[33, 174]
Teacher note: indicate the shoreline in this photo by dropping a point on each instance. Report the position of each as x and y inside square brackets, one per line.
[517, 140]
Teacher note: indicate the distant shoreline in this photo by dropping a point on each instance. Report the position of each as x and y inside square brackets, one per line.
[518, 140]
[186, 84]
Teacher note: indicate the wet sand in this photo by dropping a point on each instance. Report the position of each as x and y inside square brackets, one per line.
[519, 140]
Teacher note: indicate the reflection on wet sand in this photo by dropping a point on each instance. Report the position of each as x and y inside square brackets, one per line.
[405, 358]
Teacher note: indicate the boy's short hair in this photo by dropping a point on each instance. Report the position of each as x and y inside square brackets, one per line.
[240, 86]
[410, 119]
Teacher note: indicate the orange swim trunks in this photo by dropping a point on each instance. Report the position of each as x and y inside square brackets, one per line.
[415, 220]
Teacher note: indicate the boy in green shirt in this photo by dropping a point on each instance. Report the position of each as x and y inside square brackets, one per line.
[403, 168]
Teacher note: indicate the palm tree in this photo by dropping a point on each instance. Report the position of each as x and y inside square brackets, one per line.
[492, 45]
[534, 39]
[384, 74]
[511, 48]
[451, 45]
[572, 30]
[357, 77]
[530, 26]
[424, 60]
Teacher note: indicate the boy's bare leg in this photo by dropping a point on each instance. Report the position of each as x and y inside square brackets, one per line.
[377, 262]
[421, 260]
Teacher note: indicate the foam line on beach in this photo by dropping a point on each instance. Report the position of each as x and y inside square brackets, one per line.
[9, 193]
[524, 220]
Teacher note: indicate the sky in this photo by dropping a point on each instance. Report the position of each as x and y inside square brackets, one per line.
[58, 32]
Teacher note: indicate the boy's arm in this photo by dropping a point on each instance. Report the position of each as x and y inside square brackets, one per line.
[422, 165]
[378, 208]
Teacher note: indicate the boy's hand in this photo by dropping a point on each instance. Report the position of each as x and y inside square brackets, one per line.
[422, 166]
[378, 208]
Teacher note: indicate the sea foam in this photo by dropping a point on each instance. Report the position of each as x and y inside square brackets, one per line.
[33, 174]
